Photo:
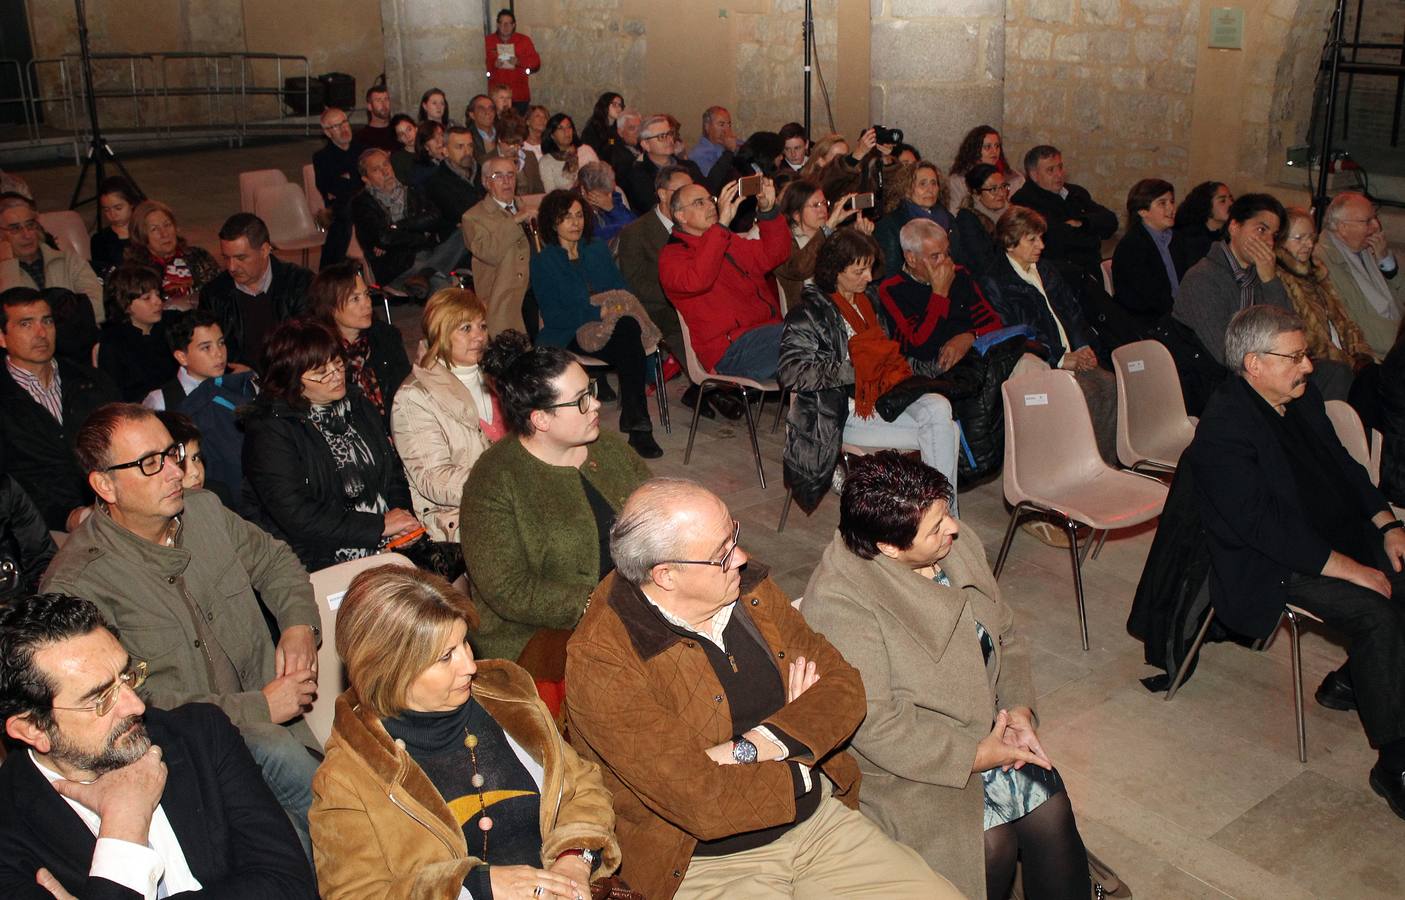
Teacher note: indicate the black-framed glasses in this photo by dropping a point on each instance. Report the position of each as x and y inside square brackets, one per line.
[337, 367]
[725, 563]
[152, 463]
[134, 677]
[671, 135]
[582, 402]
[1297, 358]
[996, 189]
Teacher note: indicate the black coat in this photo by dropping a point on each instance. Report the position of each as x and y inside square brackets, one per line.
[451, 195]
[1196, 240]
[389, 360]
[1391, 395]
[25, 544]
[639, 186]
[1019, 303]
[287, 292]
[1139, 280]
[235, 837]
[400, 241]
[1259, 532]
[38, 450]
[1071, 248]
[138, 363]
[293, 489]
[972, 246]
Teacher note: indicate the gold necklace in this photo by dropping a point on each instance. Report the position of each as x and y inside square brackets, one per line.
[485, 821]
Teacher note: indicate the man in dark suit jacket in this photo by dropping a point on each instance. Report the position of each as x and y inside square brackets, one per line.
[256, 291]
[453, 188]
[1292, 518]
[103, 797]
[43, 402]
[659, 139]
[1078, 225]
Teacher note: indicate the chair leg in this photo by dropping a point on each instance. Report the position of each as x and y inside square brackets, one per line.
[1297, 653]
[1077, 559]
[661, 394]
[780, 410]
[1009, 538]
[1190, 655]
[1102, 539]
[1087, 545]
[751, 430]
[693, 432]
[785, 510]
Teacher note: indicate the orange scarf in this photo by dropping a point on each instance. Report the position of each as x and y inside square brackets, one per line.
[877, 359]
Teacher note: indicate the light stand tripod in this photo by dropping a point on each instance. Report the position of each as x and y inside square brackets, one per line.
[99, 151]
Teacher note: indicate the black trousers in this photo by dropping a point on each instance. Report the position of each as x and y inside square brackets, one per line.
[338, 239]
[625, 351]
[1374, 627]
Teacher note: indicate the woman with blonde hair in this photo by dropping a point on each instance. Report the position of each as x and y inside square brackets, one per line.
[157, 242]
[445, 414]
[446, 776]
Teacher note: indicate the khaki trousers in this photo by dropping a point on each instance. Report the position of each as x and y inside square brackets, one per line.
[837, 852]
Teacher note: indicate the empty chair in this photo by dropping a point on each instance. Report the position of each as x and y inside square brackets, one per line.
[707, 381]
[68, 229]
[1052, 467]
[315, 205]
[283, 208]
[329, 585]
[251, 182]
[1153, 429]
[1347, 424]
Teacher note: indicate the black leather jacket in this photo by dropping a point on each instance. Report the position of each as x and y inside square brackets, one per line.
[400, 241]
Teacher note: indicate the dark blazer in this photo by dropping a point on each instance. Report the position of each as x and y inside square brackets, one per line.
[638, 256]
[400, 241]
[38, 450]
[1139, 280]
[138, 363]
[972, 246]
[25, 544]
[451, 195]
[293, 489]
[1391, 397]
[1258, 531]
[639, 186]
[287, 292]
[1019, 303]
[1068, 247]
[236, 838]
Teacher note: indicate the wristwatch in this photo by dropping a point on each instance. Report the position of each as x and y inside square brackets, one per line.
[743, 751]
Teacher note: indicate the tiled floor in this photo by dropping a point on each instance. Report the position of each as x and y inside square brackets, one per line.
[1202, 798]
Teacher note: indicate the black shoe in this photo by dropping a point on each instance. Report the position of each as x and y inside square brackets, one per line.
[729, 405]
[605, 393]
[1336, 692]
[644, 444]
[690, 400]
[1390, 784]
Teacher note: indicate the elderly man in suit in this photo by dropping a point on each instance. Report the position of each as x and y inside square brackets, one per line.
[105, 797]
[1362, 268]
[493, 233]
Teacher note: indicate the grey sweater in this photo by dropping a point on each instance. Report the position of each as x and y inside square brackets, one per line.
[1209, 298]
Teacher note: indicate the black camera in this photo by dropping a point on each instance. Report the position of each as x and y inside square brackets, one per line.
[882, 135]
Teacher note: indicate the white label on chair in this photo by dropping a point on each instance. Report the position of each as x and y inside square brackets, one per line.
[1036, 399]
[1136, 365]
[334, 600]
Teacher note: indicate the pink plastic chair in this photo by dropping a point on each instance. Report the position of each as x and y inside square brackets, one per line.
[283, 208]
[315, 204]
[1052, 467]
[68, 229]
[707, 381]
[1152, 427]
[251, 182]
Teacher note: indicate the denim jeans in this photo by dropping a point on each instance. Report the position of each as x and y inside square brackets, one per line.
[287, 767]
[754, 354]
[925, 426]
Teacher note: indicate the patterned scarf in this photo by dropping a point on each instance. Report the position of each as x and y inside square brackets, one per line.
[1250, 288]
[355, 463]
[358, 366]
[392, 201]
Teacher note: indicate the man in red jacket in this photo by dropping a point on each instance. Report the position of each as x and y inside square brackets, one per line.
[718, 282]
[510, 57]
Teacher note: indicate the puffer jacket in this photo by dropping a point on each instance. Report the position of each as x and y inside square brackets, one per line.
[381, 829]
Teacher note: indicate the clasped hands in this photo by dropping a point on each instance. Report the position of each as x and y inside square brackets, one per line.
[1011, 743]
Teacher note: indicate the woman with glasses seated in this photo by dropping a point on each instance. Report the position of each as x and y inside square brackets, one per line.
[973, 232]
[811, 219]
[950, 752]
[319, 470]
[373, 349]
[538, 504]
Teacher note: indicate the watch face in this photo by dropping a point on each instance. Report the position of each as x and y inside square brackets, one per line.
[744, 751]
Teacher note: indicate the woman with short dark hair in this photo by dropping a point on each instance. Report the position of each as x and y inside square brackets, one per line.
[132, 348]
[1150, 260]
[952, 761]
[812, 219]
[973, 232]
[319, 470]
[374, 350]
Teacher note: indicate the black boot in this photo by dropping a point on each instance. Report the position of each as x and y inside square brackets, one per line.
[690, 400]
[644, 444]
[728, 404]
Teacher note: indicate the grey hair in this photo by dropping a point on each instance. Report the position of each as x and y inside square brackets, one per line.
[628, 112]
[652, 121]
[483, 170]
[1252, 330]
[11, 199]
[596, 176]
[917, 232]
[1337, 208]
[711, 113]
[665, 175]
[646, 533]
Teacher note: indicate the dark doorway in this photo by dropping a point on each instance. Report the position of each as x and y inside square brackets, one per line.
[15, 54]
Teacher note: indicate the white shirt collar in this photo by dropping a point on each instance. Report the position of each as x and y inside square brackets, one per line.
[188, 382]
[263, 284]
[663, 219]
[719, 622]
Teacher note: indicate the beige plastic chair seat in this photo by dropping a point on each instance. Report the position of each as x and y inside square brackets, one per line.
[68, 229]
[1153, 429]
[707, 381]
[1352, 433]
[283, 208]
[251, 182]
[315, 204]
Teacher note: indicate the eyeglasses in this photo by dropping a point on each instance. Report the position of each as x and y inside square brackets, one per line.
[133, 678]
[725, 563]
[1308, 236]
[1375, 218]
[338, 367]
[671, 135]
[26, 225]
[1297, 358]
[582, 402]
[698, 203]
[152, 463]
[818, 204]
[334, 126]
[996, 189]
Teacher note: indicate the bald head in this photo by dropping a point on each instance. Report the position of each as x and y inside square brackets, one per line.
[656, 524]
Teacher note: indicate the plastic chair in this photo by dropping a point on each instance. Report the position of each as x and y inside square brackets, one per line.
[707, 381]
[1107, 276]
[1347, 424]
[283, 208]
[68, 229]
[251, 182]
[1292, 614]
[315, 204]
[660, 389]
[1152, 427]
[1052, 467]
[329, 586]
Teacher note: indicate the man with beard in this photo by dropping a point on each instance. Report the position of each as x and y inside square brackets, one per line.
[104, 797]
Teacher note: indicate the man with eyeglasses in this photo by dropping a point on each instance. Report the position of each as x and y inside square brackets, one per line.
[495, 232]
[26, 261]
[44, 401]
[1292, 518]
[176, 573]
[338, 180]
[103, 796]
[718, 717]
[1362, 268]
[658, 139]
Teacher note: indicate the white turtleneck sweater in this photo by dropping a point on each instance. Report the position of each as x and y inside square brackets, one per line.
[472, 378]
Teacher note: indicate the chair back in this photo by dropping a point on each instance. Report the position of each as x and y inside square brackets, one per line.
[251, 182]
[329, 586]
[780, 295]
[309, 188]
[696, 373]
[1347, 424]
[1107, 276]
[1049, 443]
[68, 229]
[283, 208]
[1151, 420]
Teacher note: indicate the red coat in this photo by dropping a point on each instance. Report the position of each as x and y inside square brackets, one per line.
[527, 63]
[718, 283]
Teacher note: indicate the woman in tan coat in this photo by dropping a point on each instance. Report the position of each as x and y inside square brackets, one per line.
[445, 413]
[952, 764]
[445, 777]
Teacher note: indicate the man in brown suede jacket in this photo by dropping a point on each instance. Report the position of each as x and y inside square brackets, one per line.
[716, 715]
